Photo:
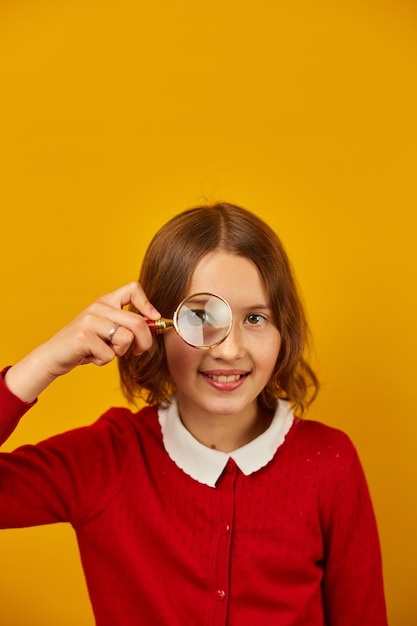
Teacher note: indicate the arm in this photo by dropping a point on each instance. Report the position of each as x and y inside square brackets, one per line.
[42, 484]
[353, 584]
[11, 409]
[85, 340]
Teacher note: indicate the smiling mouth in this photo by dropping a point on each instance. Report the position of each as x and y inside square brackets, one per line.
[225, 379]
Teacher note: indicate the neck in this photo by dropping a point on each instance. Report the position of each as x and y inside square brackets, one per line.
[226, 432]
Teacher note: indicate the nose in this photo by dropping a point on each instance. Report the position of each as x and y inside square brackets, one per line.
[232, 348]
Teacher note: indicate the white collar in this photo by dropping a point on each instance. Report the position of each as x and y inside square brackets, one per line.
[206, 465]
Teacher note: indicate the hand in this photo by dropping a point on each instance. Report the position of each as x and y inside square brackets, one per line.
[86, 340]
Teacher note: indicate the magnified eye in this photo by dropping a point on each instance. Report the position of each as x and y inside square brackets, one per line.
[203, 320]
[197, 317]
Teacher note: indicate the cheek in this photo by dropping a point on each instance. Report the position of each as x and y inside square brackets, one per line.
[271, 351]
[180, 357]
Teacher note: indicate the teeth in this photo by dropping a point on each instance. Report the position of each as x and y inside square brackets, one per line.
[225, 379]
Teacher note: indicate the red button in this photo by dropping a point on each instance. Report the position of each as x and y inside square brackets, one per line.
[221, 595]
[224, 528]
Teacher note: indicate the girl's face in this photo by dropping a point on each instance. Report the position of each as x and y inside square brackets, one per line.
[225, 380]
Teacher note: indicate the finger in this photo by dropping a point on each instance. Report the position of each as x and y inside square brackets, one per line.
[132, 293]
[100, 353]
[86, 347]
[98, 340]
[105, 339]
[100, 317]
[112, 332]
[122, 328]
[121, 340]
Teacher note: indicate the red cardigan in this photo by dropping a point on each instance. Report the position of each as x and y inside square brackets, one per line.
[293, 544]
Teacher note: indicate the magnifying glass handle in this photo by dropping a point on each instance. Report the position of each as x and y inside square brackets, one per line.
[157, 327]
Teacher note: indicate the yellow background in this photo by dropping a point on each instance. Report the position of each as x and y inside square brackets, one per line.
[116, 115]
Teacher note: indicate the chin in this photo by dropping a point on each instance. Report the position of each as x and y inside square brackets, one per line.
[228, 407]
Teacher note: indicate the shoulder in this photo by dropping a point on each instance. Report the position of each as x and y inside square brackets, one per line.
[326, 457]
[120, 414]
[123, 421]
[320, 441]
[319, 431]
[113, 433]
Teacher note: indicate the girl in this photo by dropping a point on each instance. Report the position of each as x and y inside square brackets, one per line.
[213, 505]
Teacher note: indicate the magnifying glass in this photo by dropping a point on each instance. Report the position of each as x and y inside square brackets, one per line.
[202, 320]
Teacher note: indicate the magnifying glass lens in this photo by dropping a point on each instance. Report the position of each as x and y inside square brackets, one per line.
[203, 320]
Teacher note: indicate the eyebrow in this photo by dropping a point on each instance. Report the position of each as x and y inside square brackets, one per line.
[200, 301]
[264, 307]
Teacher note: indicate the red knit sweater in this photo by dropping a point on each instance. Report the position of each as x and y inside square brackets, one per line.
[293, 544]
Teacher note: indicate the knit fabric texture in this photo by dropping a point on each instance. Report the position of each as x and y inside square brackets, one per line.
[294, 543]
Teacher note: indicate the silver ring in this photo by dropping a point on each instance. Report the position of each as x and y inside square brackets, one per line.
[111, 333]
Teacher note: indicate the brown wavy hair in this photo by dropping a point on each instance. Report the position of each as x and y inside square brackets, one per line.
[166, 271]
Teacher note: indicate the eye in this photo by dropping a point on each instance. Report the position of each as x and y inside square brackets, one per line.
[255, 319]
[197, 317]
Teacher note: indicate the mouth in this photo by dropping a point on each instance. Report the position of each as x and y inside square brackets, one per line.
[223, 378]
[225, 381]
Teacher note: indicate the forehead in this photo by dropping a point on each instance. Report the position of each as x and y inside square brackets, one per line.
[229, 275]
